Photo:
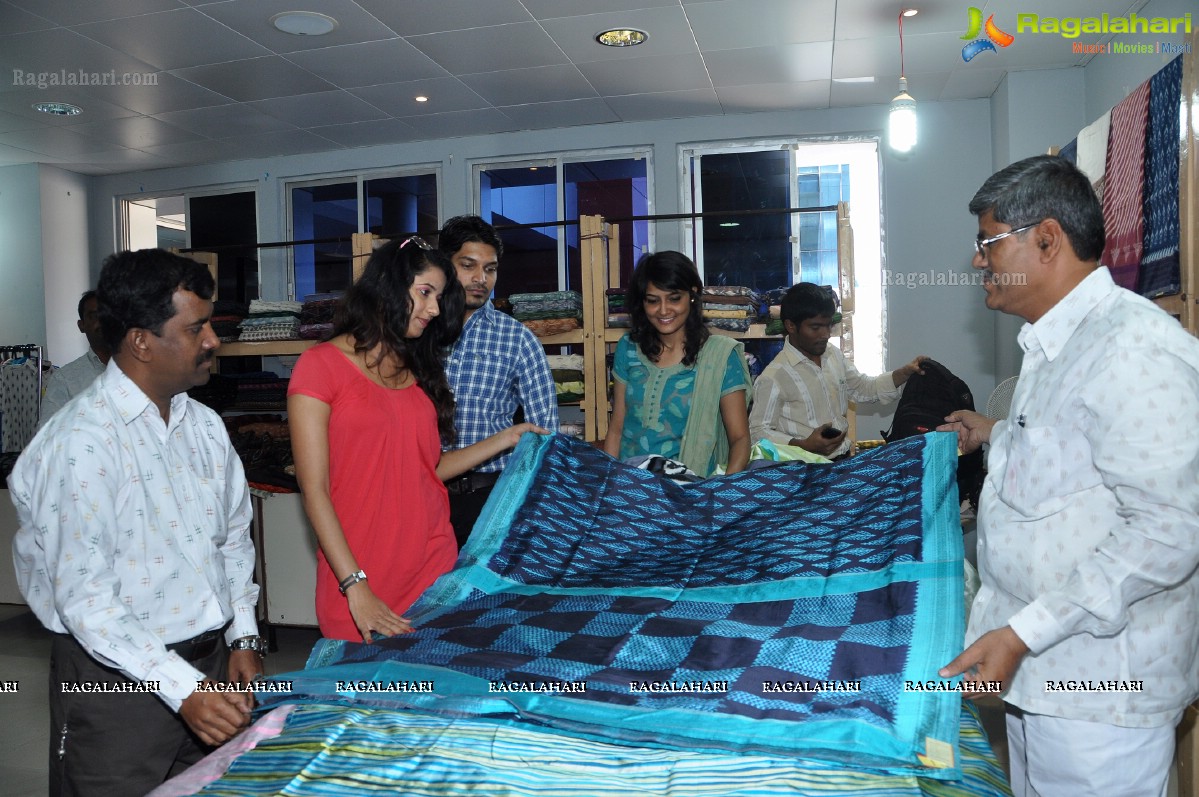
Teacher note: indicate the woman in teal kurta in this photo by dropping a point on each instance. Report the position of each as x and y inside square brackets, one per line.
[679, 391]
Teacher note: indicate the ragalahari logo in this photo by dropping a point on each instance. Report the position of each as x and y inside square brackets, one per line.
[994, 35]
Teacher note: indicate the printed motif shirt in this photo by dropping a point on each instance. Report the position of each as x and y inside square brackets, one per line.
[134, 533]
[68, 382]
[495, 366]
[794, 396]
[1089, 517]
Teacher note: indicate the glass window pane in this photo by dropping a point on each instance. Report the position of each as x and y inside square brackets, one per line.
[323, 211]
[750, 250]
[809, 264]
[828, 230]
[613, 189]
[396, 205]
[516, 196]
[809, 231]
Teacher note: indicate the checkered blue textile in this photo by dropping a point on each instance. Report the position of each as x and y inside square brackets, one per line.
[583, 570]
[1160, 272]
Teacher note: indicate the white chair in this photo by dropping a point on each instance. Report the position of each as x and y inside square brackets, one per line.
[1000, 400]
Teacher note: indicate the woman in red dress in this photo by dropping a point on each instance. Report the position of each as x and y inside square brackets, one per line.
[368, 412]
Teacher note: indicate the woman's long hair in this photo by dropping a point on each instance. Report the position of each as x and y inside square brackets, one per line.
[377, 309]
[669, 271]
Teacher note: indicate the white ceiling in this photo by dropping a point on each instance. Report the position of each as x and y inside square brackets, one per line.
[230, 86]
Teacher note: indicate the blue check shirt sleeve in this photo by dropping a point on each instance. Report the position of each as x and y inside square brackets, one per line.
[535, 385]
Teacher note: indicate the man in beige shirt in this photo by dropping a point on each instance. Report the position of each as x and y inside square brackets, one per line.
[802, 398]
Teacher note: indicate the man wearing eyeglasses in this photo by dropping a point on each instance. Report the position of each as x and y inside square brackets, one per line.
[1089, 517]
[496, 367]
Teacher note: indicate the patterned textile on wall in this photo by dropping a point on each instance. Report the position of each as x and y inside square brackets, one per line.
[781, 610]
[1124, 185]
[1160, 274]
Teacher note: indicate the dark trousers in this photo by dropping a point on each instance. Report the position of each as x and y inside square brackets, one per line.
[115, 744]
[465, 509]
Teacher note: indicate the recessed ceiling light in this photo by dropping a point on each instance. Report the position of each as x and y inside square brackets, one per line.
[621, 37]
[304, 23]
[421, 98]
[58, 108]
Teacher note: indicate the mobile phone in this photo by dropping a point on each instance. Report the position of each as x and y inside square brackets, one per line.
[830, 432]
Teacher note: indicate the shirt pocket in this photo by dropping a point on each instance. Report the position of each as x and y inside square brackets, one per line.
[1046, 467]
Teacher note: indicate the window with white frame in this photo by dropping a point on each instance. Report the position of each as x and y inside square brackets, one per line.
[780, 197]
[518, 197]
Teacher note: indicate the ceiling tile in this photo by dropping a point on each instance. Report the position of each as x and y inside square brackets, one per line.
[57, 141]
[462, 123]
[516, 46]
[445, 95]
[665, 105]
[525, 86]
[73, 12]
[570, 113]
[255, 79]
[175, 39]
[197, 152]
[788, 62]
[60, 52]
[270, 145]
[870, 19]
[368, 64]
[968, 84]
[647, 75]
[809, 95]
[17, 20]
[668, 29]
[10, 155]
[94, 109]
[552, 9]
[414, 17]
[224, 121]
[733, 25]
[368, 134]
[168, 94]
[135, 132]
[11, 121]
[864, 57]
[323, 108]
[252, 19]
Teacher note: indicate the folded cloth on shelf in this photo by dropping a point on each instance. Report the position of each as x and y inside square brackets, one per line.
[566, 362]
[783, 610]
[619, 320]
[552, 326]
[729, 324]
[540, 306]
[725, 313]
[738, 300]
[260, 306]
[729, 291]
[567, 374]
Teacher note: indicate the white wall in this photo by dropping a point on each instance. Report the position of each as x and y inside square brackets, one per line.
[66, 259]
[22, 300]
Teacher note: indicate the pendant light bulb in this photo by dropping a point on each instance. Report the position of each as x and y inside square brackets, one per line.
[901, 128]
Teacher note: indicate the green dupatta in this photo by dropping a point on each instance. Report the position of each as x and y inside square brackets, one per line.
[704, 434]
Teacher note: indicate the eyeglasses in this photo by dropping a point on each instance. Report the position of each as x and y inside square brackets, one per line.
[981, 244]
[416, 239]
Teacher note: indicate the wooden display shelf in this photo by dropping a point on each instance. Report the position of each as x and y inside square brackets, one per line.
[570, 338]
[265, 348]
[756, 332]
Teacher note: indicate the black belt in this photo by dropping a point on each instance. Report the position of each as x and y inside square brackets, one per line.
[471, 481]
[198, 647]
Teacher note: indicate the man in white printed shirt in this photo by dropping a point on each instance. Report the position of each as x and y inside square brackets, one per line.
[134, 545]
[1089, 517]
[802, 397]
[75, 377]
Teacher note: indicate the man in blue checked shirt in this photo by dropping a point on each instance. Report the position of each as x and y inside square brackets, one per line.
[496, 367]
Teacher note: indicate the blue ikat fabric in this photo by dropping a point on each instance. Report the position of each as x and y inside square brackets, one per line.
[786, 609]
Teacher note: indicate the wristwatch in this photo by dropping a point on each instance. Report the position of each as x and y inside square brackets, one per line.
[254, 643]
[351, 580]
